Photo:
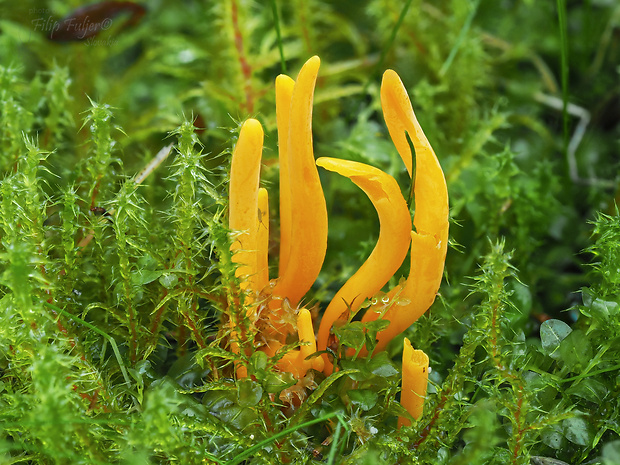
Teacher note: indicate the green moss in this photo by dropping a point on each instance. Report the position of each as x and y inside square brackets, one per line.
[117, 290]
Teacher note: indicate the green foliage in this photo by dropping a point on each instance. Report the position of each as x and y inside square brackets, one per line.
[117, 286]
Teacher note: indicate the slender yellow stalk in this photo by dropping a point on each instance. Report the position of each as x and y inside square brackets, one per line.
[305, 331]
[242, 215]
[429, 241]
[388, 254]
[415, 381]
[308, 240]
[284, 95]
[295, 362]
[418, 292]
[431, 193]
[243, 204]
[262, 240]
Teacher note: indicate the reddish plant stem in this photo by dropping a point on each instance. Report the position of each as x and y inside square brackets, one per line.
[246, 69]
[193, 326]
[518, 422]
[93, 198]
[513, 379]
[304, 29]
[50, 300]
[157, 320]
[132, 329]
[181, 340]
[424, 434]
[493, 339]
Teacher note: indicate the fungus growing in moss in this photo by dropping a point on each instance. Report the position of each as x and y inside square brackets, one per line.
[272, 306]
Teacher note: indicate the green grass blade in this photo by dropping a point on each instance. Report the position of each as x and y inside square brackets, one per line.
[109, 338]
[564, 68]
[459, 39]
[386, 48]
[334, 447]
[276, 20]
[411, 196]
[248, 453]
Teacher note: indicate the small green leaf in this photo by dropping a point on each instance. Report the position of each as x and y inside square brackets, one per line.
[169, 280]
[552, 333]
[274, 383]
[249, 393]
[589, 389]
[142, 277]
[351, 334]
[576, 431]
[382, 366]
[358, 369]
[611, 453]
[576, 350]
[604, 309]
[372, 329]
[597, 307]
[553, 437]
[258, 361]
[363, 398]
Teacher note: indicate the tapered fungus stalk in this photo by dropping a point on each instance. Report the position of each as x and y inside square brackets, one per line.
[429, 241]
[305, 331]
[243, 218]
[284, 95]
[388, 254]
[308, 212]
[303, 211]
[415, 381]
[431, 192]
[243, 203]
[297, 362]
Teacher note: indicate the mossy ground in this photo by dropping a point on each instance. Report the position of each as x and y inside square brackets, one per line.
[112, 292]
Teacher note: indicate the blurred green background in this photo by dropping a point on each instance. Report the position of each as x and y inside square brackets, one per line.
[484, 77]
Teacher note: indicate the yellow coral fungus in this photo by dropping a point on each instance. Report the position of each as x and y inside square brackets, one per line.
[308, 213]
[415, 380]
[303, 213]
[272, 305]
[429, 241]
[431, 193]
[284, 95]
[243, 199]
[303, 220]
[391, 248]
